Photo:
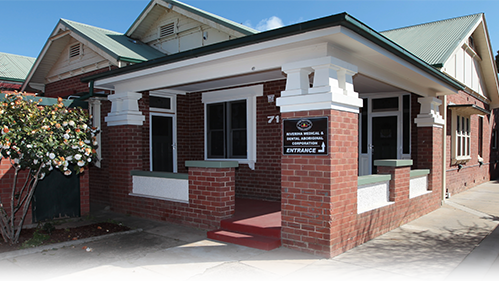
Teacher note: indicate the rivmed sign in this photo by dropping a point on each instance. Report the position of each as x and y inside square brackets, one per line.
[305, 136]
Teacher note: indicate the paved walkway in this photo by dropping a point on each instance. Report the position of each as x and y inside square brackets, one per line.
[439, 246]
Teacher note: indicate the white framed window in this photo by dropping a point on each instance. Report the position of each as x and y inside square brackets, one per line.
[162, 102]
[461, 135]
[230, 124]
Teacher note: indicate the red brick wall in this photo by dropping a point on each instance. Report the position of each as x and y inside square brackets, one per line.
[264, 181]
[84, 193]
[6, 182]
[472, 173]
[211, 196]
[111, 184]
[319, 193]
[70, 86]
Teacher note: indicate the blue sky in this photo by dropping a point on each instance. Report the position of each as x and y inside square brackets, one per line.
[25, 25]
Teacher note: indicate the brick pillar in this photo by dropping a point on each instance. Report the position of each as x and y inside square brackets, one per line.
[430, 140]
[126, 144]
[84, 193]
[430, 154]
[212, 192]
[319, 193]
[400, 170]
[125, 156]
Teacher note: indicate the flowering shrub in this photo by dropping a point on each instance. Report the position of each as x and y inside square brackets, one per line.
[39, 139]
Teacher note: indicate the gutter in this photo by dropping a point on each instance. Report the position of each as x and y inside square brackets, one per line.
[130, 60]
[12, 79]
[342, 19]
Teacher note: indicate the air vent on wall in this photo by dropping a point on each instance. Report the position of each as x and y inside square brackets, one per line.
[167, 30]
[74, 51]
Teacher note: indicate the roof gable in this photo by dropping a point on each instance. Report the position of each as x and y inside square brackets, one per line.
[112, 46]
[156, 8]
[435, 42]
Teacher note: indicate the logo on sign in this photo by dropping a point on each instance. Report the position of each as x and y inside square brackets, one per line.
[304, 125]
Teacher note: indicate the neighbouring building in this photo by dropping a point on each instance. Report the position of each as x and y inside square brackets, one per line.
[353, 131]
[13, 71]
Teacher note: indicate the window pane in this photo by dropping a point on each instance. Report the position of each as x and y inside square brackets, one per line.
[216, 119]
[458, 124]
[459, 146]
[227, 125]
[480, 136]
[238, 115]
[239, 144]
[160, 102]
[216, 144]
[237, 137]
[386, 104]
[468, 152]
[216, 132]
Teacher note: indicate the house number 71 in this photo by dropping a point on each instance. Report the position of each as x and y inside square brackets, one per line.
[271, 119]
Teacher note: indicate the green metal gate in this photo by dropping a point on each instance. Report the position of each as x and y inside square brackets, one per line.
[56, 196]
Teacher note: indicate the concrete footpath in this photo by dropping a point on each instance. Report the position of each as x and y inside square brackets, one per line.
[456, 242]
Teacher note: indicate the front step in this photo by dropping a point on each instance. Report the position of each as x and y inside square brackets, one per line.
[255, 224]
[245, 239]
[249, 227]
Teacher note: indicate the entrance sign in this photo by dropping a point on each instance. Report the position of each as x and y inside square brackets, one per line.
[305, 136]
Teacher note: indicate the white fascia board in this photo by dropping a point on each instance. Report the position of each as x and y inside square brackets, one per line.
[55, 35]
[227, 67]
[275, 46]
[142, 16]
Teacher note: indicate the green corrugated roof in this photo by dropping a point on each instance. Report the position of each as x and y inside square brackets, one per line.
[114, 43]
[14, 67]
[342, 19]
[434, 42]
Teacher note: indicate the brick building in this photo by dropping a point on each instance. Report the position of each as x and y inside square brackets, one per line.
[353, 131]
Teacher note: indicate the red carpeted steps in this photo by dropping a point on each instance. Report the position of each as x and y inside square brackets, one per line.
[255, 224]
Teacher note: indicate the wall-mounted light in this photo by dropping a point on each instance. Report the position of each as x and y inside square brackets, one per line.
[459, 166]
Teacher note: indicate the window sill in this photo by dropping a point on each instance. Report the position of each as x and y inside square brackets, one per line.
[461, 160]
[250, 163]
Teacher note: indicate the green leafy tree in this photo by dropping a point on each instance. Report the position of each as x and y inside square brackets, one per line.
[38, 139]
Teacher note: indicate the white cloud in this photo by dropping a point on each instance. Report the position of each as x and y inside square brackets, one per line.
[267, 24]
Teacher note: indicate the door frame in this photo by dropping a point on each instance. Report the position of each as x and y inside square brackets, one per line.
[366, 159]
[174, 138]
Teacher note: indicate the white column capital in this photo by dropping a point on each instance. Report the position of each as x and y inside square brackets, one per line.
[332, 86]
[429, 115]
[125, 109]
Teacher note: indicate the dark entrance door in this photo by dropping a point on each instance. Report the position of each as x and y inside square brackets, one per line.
[384, 138]
[162, 143]
[57, 196]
